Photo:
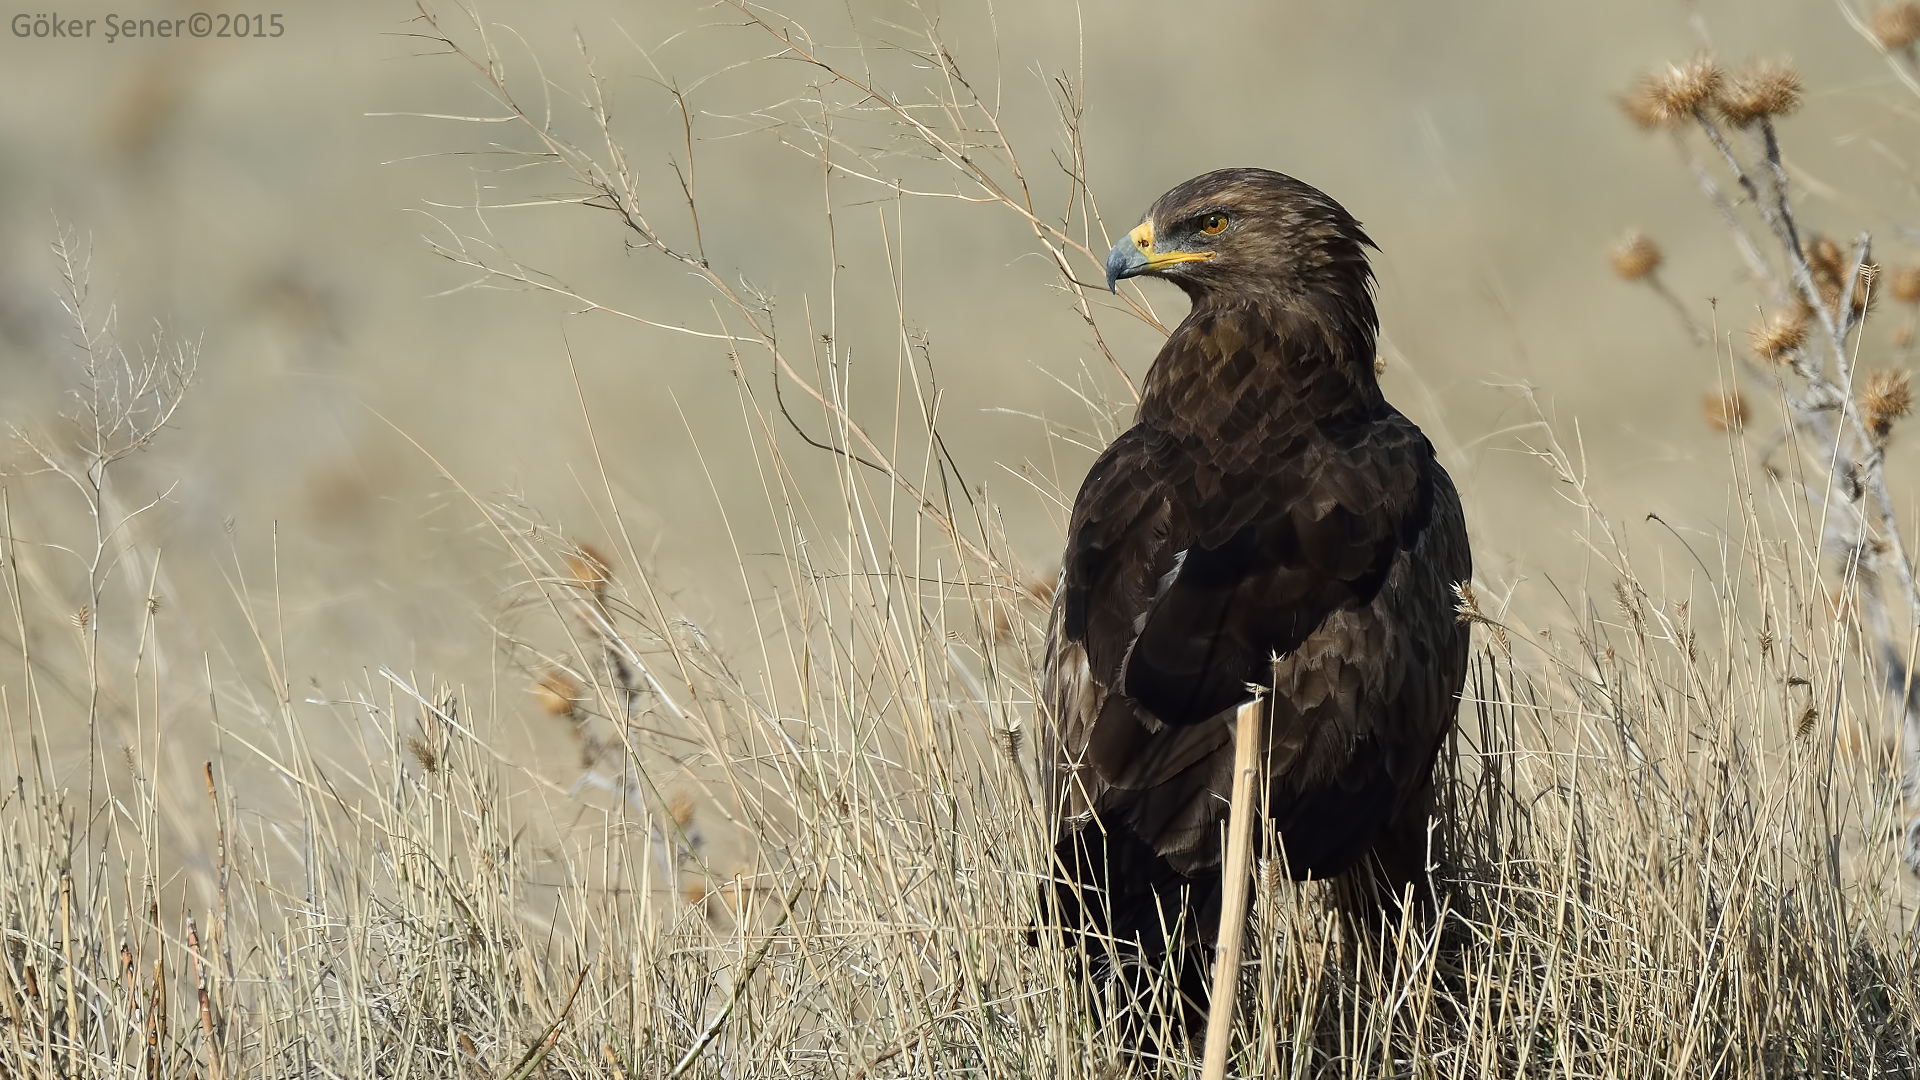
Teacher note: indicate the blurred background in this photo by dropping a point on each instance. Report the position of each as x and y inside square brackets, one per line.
[274, 201]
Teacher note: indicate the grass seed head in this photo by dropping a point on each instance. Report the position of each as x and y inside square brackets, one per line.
[423, 753]
[1776, 337]
[1904, 283]
[1725, 412]
[1887, 397]
[1635, 256]
[1895, 26]
[1763, 88]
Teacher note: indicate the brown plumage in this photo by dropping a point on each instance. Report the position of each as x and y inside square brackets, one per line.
[1270, 518]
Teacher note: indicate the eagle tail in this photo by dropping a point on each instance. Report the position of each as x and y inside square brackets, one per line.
[1124, 909]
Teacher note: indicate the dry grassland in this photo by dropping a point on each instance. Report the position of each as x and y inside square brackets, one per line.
[1677, 816]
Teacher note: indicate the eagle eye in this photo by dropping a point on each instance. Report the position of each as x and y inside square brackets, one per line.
[1213, 223]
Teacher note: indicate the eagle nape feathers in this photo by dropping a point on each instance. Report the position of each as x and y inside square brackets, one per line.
[1269, 519]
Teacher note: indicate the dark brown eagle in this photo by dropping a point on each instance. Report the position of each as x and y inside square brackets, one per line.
[1269, 519]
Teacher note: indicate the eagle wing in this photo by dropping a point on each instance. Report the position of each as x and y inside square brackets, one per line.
[1191, 564]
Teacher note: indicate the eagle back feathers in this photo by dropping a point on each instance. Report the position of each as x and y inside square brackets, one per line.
[1269, 519]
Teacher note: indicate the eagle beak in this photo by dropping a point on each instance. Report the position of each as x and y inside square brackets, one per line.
[1134, 256]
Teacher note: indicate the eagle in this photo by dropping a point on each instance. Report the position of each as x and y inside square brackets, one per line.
[1270, 520]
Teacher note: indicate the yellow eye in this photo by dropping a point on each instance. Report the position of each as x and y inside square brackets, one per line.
[1213, 224]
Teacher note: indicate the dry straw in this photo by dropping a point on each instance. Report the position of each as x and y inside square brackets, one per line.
[1665, 847]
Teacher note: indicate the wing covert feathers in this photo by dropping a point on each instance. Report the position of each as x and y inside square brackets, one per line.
[1311, 552]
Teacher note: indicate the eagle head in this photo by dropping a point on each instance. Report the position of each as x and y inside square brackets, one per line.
[1247, 233]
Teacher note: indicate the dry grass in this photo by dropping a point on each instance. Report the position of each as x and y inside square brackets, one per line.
[1673, 814]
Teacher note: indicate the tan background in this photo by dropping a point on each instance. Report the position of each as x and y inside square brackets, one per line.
[243, 193]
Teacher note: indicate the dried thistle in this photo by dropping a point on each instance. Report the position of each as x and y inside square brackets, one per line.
[1635, 256]
[1904, 283]
[680, 808]
[1833, 273]
[1895, 26]
[557, 694]
[1824, 257]
[1674, 96]
[1725, 412]
[1763, 88]
[589, 570]
[1887, 397]
[1644, 106]
[1779, 335]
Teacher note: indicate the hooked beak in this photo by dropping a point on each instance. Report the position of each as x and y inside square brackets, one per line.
[1134, 255]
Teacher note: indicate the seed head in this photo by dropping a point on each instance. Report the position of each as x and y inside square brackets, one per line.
[1686, 87]
[1863, 294]
[1774, 338]
[1670, 97]
[1635, 256]
[1466, 610]
[1643, 105]
[1763, 88]
[1823, 257]
[557, 693]
[589, 569]
[1725, 412]
[1803, 726]
[1904, 283]
[1887, 397]
[423, 753]
[1895, 26]
[1627, 602]
[1833, 272]
[680, 808]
